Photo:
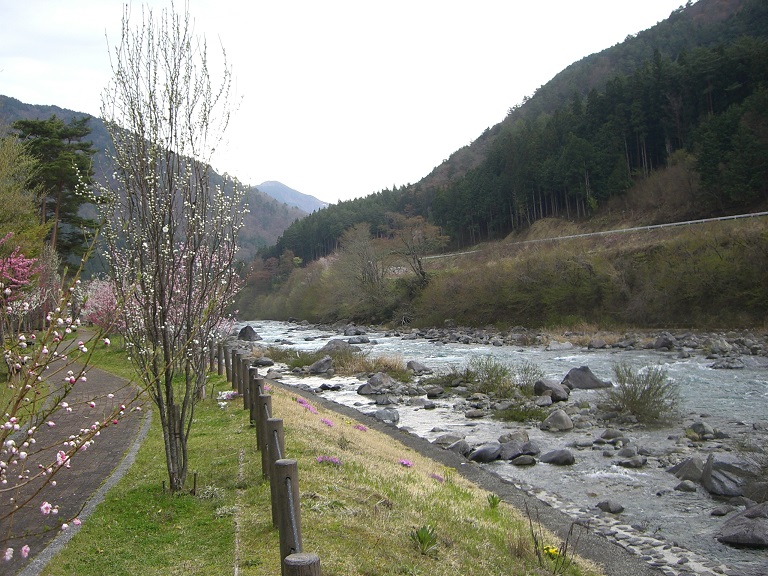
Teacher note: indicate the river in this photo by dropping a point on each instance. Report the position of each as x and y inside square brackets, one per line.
[728, 400]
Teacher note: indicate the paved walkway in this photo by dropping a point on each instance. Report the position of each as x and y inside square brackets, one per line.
[79, 488]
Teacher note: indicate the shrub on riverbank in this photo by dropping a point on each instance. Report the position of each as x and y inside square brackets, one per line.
[647, 394]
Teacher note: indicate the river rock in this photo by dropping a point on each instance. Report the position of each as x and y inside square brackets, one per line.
[460, 447]
[523, 460]
[263, 361]
[610, 506]
[321, 366]
[726, 475]
[511, 450]
[582, 378]
[520, 435]
[686, 486]
[627, 452]
[417, 368]
[557, 421]
[597, 344]
[747, 528]
[703, 430]
[359, 340]
[561, 457]
[474, 413]
[757, 491]
[435, 392]
[445, 440]
[690, 469]
[387, 415]
[248, 334]
[558, 392]
[665, 342]
[353, 331]
[544, 401]
[486, 452]
[723, 510]
[634, 462]
[531, 448]
[368, 390]
[337, 345]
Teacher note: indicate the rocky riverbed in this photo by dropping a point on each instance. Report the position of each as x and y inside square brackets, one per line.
[674, 495]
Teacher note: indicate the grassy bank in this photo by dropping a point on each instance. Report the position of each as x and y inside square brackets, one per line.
[358, 511]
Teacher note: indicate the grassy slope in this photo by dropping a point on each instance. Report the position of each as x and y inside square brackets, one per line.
[357, 516]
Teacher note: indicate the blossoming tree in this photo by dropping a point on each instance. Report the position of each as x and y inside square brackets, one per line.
[171, 234]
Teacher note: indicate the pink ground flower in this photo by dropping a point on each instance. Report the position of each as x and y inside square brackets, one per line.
[406, 463]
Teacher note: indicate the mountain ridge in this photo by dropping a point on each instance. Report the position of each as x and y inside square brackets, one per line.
[269, 217]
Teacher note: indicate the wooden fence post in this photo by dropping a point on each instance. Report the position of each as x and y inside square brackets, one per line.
[253, 387]
[301, 564]
[228, 362]
[289, 523]
[265, 412]
[244, 364]
[220, 358]
[235, 369]
[276, 450]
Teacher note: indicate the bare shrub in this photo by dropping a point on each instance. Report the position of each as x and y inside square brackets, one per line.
[648, 394]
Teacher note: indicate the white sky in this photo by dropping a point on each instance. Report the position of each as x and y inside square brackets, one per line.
[340, 98]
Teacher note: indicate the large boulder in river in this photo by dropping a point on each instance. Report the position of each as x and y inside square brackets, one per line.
[321, 366]
[747, 528]
[559, 393]
[690, 469]
[557, 421]
[582, 378]
[387, 415]
[561, 457]
[727, 475]
[417, 368]
[337, 345]
[486, 452]
[248, 334]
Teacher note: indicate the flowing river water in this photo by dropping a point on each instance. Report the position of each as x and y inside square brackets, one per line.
[728, 400]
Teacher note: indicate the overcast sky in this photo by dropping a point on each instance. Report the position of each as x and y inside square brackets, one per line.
[340, 99]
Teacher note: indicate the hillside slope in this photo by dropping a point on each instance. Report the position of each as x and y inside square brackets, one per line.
[268, 217]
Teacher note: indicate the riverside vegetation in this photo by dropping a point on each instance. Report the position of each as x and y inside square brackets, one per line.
[359, 491]
[703, 276]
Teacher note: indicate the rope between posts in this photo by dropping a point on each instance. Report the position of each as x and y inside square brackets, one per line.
[266, 411]
[292, 517]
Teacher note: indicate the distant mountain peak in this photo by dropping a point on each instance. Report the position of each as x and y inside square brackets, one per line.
[288, 195]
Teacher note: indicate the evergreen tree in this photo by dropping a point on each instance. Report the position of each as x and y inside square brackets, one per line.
[64, 163]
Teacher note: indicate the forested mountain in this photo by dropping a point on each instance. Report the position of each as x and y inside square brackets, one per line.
[267, 219]
[692, 90]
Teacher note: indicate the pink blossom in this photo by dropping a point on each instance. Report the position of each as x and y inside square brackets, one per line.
[8, 554]
[46, 508]
[24, 551]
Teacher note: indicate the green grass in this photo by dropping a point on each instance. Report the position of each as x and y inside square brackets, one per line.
[370, 502]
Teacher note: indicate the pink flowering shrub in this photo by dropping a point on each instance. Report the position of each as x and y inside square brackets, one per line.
[101, 307]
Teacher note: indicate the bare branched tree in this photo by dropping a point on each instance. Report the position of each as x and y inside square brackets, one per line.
[171, 233]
